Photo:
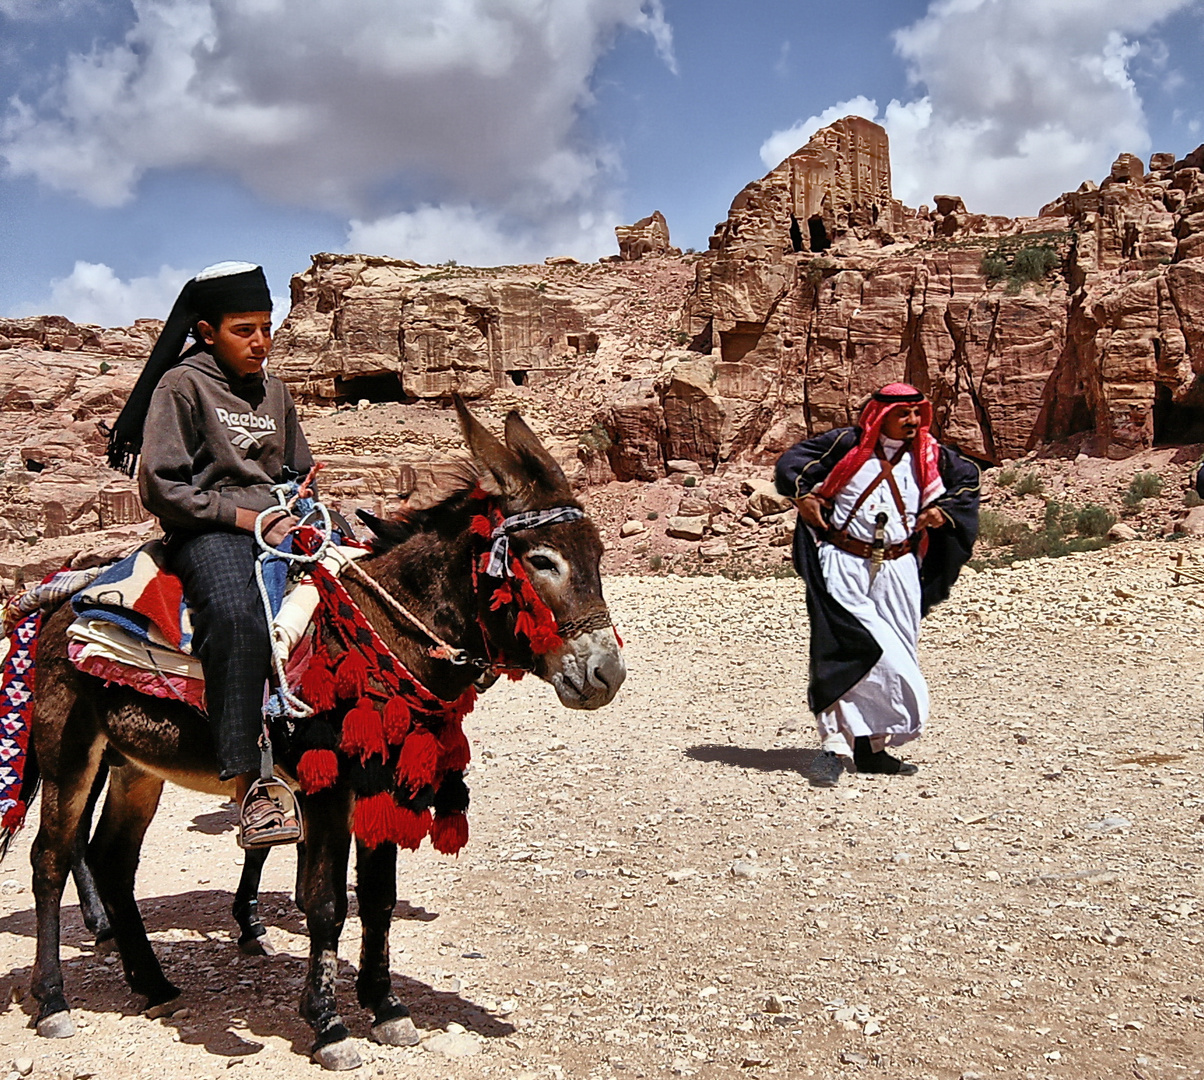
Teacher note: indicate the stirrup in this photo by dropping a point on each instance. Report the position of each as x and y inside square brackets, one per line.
[286, 803]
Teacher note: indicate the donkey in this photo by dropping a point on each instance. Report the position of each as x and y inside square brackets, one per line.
[427, 561]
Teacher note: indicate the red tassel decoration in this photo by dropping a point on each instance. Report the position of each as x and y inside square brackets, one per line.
[352, 677]
[397, 720]
[317, 684]
[544, 639]
[525, 624]
[419, 760]
[449, 833]
[618, 637]
[363, 732]
[14, 817]
[501, 597]
[456, 751]
[374, 820]
[480, 525]
[409, 828]
[463, 705]
[317, 769]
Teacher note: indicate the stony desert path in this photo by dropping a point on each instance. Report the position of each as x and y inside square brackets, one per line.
[654, 889]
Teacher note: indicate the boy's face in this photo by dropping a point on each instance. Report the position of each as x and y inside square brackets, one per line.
[902, 422]
[241, 342]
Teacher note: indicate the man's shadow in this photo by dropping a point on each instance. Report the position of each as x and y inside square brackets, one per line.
[744, 757]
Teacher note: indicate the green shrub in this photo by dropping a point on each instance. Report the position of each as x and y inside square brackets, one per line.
[1030, 484]
[1007, 477]
[105, 367]
[689, 481]
[652, 515]
[1094, 520]
[1192, 498]
[1144, 485]
[1033, 263]
[656, 562]
[999, 530]
[993, 267]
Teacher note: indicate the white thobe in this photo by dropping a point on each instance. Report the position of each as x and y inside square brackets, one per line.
[890, 704]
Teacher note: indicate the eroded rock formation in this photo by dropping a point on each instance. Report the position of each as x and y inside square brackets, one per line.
[647, 237]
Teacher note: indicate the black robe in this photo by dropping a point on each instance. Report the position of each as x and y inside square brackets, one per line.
[842, 649]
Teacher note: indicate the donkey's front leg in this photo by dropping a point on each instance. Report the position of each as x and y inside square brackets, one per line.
[252, 934]
[324, 900]
[376, 890]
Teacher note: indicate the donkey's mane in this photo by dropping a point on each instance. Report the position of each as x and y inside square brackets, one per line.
[387, 533]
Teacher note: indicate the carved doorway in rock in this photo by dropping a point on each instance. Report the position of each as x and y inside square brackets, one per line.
[1178, 422]
[820, 241]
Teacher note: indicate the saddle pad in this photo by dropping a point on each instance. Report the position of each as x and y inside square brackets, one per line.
[102, 645]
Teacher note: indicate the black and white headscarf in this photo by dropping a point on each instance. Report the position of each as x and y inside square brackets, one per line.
[222, 289]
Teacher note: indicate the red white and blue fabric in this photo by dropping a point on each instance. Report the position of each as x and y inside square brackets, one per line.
[16, 712]
[142, 597]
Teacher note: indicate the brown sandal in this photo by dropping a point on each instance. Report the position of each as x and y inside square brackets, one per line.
[263, 822]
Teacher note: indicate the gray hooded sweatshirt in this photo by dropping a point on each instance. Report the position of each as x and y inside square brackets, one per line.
[214, 442]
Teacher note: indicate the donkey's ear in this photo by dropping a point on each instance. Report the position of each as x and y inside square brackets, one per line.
[499, 466]
[538, 462]
[389, 533]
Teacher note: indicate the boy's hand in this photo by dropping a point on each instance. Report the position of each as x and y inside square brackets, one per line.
[278, 529]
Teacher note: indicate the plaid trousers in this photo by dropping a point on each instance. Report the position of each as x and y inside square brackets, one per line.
[230, 637]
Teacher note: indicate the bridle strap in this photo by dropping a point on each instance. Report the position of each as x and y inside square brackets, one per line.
[499, 552]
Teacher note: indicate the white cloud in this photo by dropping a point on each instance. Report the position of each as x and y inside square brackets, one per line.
[1021, 99]
[363, 107]
[43, 10]
[781, 144]
[93, 293]
[479, 237]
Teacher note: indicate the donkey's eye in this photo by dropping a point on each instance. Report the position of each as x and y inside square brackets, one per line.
[542, 562]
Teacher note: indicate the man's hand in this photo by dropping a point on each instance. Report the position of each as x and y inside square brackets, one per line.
[932, 518]
[810, 509]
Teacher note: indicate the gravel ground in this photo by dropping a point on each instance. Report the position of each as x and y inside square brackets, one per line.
[654, 889]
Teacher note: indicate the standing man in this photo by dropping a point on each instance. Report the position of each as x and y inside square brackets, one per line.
[215, 432]
[887, 518]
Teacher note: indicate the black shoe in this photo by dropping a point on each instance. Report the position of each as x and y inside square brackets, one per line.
[879, 761]
[825, 769]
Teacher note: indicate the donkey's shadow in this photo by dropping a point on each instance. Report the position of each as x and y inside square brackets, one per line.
[224, 990]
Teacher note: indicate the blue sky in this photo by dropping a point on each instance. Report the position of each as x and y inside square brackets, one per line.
[141, 140]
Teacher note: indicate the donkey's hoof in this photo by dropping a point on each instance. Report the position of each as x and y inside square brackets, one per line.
[164, 1008]
[256, 946]
[397, 1032]
[338, 1056]
[105, 944]
[57, 1025]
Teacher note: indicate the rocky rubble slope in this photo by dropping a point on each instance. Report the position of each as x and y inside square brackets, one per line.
[654, 889]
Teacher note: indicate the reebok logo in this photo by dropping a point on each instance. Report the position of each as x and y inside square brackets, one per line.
[239, 425]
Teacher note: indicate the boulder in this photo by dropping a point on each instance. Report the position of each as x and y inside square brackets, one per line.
[714, 549]
[764, 500]
[1120, 531]
[1192, 524]
[631, 528]
[686, 528]
[647, 237]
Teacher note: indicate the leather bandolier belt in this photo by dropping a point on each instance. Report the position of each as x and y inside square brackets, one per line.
[864, 549]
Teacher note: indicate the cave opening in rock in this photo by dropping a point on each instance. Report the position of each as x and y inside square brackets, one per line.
[796, 236]
[518, 376]
[384, 386]
[1178, 422]
[819, 234]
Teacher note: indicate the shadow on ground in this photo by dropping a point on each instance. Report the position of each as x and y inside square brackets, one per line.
[231, 998]
[747, 757]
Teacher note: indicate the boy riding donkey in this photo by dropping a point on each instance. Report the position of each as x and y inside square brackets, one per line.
[215, 433]
[887, 519]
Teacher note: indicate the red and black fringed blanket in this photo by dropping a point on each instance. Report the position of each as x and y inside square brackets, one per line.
[16, 711]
